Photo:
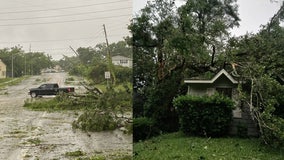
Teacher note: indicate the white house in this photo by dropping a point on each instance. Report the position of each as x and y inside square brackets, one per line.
[122, 61]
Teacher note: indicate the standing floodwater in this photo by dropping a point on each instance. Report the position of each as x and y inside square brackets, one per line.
[26, 134]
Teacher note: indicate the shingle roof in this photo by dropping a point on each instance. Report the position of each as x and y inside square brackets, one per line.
[214, 78]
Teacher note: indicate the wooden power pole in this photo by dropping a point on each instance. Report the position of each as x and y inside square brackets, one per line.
[110, 65]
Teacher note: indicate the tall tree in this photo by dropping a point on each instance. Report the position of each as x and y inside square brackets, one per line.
[204, 27]
[152, 31]
[167, 42]
[153, 59]
[24, 63]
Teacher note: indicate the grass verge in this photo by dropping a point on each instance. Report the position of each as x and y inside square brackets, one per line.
[101, 112]
[178, 146]
[11, 81]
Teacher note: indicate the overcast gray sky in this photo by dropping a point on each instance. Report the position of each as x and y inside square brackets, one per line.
[54, 25]
[253, 13]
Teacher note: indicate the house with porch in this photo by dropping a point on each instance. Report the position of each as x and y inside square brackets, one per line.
[225, 84]
[2, 69]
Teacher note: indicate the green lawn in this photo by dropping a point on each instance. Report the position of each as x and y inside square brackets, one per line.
[11, 81]
[179, 147]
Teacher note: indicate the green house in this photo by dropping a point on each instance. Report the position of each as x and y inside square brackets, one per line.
[222, 82]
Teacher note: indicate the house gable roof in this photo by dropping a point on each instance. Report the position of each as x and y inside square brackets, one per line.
[214, 78]
[118, 57]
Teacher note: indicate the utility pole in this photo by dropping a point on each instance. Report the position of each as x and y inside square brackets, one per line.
[110, 65]
[77, 54]
[74, 51]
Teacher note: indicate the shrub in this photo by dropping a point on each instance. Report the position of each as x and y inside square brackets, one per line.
[95, 121]
[123, 74]
[143, 128]
[97, 73]
[204, 116]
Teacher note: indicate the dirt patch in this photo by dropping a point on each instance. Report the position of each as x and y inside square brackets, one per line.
[27, 134]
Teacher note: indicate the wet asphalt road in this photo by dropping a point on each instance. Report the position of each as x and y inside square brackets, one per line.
[29, 135]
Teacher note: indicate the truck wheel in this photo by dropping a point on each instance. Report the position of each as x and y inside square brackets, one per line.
[33, 95]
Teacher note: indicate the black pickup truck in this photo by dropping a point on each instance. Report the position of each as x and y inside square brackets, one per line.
[49, 89]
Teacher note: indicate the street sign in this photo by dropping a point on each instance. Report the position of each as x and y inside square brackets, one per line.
[107, 75]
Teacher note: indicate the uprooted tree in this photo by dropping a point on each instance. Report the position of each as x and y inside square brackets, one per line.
[259, 62]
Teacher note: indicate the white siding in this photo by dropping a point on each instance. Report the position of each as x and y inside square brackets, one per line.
[122, 61]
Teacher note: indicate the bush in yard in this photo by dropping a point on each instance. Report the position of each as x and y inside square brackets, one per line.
[204, 116]
[123, 74]
[95, 121]
[143, 128]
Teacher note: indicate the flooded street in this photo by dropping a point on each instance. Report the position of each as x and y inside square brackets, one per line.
[29, 135]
